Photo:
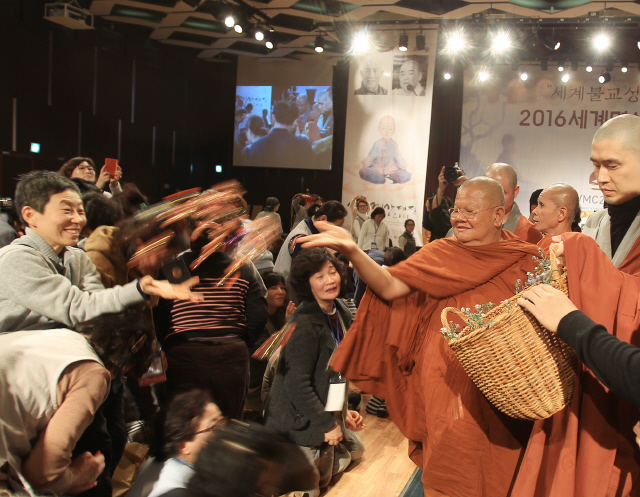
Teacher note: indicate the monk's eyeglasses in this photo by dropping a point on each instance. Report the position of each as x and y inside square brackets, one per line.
[468, 214]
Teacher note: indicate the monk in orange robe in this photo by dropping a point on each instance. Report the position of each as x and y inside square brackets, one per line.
[558, 206]
[588, 449]
[395, 349]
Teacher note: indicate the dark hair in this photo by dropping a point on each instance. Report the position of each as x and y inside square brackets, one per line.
[533, 200]
[256, 125]
[377, 211]
[130, 199]
[333, 209]
[407, 221]
[271, 204]
[272, 279]
[392, 256]
[285, 113]
[312, 209]
[68, 167]
[121, 340]
[182, 420]
[101, 211]
[36, 188]
[85, 186]
[307, 263]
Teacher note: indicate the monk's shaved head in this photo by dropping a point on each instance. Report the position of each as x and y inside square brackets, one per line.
[493, 192]
[625, 127]
[500, 169]
[564, 196]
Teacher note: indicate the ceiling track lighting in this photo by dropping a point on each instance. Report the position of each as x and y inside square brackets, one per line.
[560, 66]
[403, 43]
[625, 67]
[524, 76]
[421, 42]
[319, 44]
[605, 77]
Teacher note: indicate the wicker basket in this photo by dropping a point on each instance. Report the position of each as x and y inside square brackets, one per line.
[524, 370]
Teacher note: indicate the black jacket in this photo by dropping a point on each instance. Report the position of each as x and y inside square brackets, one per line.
[295, 407]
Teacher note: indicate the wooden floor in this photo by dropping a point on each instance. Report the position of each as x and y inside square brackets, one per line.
[385, 467]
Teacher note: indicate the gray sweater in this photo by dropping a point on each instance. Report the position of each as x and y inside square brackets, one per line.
[40, 290]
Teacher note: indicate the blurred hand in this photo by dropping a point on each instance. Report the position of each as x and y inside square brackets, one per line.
[442, 183]
[354, 421]
[547, 305]
[636, 430]
[332, 237]
[117, 176]
[86, 468]
[169, 291]
[291, 308]
[334, 435]
[103, 178]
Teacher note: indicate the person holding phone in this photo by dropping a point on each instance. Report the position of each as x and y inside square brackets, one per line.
[85, 168]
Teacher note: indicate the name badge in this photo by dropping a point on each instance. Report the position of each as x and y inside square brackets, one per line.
[337, 393]
[374, 246]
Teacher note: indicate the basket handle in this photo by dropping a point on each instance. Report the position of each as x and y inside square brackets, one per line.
[447, 310]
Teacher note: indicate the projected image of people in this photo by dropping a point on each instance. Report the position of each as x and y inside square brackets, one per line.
[409, 75]
[385, 162]
[297, 133]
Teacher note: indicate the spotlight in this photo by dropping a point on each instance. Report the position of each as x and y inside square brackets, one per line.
[361, 43]
[421, 42]
[561, 66]
[589, 68]
[550, 41]
[601, 42]
[524, 76]
[605, 77]
[237, 28]
[403, 44]
[565, 77]
[639, 45]
[268, 44]
[456, 41]
[625, 67]
[229, 21]
[501, 42]
[556, 46]
[259, 35]
[319, 45]
[483, 75]
[447, 76]
[544, 65]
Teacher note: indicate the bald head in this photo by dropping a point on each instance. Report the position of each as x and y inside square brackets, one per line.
[507, 177]
[479, 212]
[557, 208]
[625, 127]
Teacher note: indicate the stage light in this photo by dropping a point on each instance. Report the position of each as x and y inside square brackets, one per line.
[237, 28]
[483, 75]
[403, 44]
[565, 77]
[556, 46]
[625, 67]
[589, 68]
[35, 148]
[259, 35]
[524, 76]
[639, 45]
[447, 76]
[500, 42]
[561, 66]
[268, 44]
[361, 43]
[601, 42]
[456, 42]
[421, 42]
[319, 45]
[229, 21]
[605, 77]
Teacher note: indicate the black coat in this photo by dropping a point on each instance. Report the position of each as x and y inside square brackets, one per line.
[295, 407]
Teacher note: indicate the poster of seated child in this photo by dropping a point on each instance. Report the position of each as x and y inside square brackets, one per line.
[385, 161]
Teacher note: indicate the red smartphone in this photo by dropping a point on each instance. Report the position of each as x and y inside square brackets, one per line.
[112, 165]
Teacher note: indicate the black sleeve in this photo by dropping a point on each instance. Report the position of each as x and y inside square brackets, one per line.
[255, 307]
[162, 319]
[614, 362]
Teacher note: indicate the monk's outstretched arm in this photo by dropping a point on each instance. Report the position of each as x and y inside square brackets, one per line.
[378, 279]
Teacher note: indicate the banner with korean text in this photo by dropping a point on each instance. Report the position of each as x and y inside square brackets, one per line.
[542, 126]
[387, 133]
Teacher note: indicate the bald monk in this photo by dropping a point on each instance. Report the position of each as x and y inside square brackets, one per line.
[395, 349]
[558, 206]
[588, 449]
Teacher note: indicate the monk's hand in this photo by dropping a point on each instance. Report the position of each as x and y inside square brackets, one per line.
[547, 304]
[169, 291]
[636, 430]
[331, 236]
[354, 421]
[334, 435]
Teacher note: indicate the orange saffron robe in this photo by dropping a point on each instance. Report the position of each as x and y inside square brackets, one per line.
[395, 350]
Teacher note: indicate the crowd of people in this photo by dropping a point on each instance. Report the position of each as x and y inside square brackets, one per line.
[114, 379]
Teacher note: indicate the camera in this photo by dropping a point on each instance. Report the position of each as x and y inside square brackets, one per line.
[451, 174]
[6, 204]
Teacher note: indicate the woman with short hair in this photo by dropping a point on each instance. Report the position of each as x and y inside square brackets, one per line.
[85, 169]
[406, 241]
[374, 234]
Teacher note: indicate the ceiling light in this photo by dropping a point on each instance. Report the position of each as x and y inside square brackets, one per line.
[561, 66]
[403, 44]
[601, 42]
[229, 21]
[447, 76]
[625, 67]
[456, 41]
[556, 46]
[268, 44]
[361, 43]
[639, 45]
[524, 76]
[319, 45]
[589, 68]
[259, 35]
[483, 75]
[501, 42]
[237, 28]
[565, 77]
[421, 42]
[605, 77]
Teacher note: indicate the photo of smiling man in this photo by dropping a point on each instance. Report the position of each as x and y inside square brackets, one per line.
[371, 72]
[409, 75]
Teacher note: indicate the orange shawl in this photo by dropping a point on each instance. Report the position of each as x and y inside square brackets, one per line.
[526, 231]
[395, 350]
[588, 449]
